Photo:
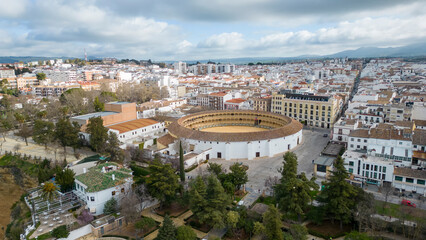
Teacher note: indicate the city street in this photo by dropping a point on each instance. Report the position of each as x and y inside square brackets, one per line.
[261, 169]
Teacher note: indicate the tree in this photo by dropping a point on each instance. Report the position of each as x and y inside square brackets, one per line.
[232, 219]
[144, 224]
[43, 132]
[129, 207]
[365, 208]
[113, 148]
[162, 183]
[272, 223]
[338, 195]
[215, 168]
[292, 193]
[238, 175]
[41, 76]
[25, 132]
[65, 179]
[386, 189]
[209, 202]
[98, 105]
[6, 124]
[67, 133]
[110, 206]
[181, 163]
[98, 133]
[185, 233]
[167, 231]
[49, 191]
[85, 217]
[298, 232]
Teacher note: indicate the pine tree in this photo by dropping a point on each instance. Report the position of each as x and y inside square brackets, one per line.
[181, 163]
[167, 231]
[338, 195]
[98, 105]
[272, 223]
[98, 133]
[292, 193]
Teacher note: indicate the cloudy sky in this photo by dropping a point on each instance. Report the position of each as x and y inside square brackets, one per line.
[205, 29]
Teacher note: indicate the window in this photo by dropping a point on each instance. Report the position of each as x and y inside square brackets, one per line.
[352, 139]
[113, 193]
[359, 140]
[368, 166]
[122, 190]
[352, 145]
[409, 180]
[351, 163]
[383, 176]
[351, 170]
[398, 178]
[384, 169]
[375, 175]
[375, 168]
[365, 140]
[92, 199]
[420, 181]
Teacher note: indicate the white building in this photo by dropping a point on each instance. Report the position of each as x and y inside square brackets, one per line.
[139, 129]
[101, 183]
[390, 143]
[180, 67]
[368, 168]
[343, 128]
[408, 179]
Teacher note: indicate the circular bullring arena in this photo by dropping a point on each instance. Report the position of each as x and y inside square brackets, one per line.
[238, 134]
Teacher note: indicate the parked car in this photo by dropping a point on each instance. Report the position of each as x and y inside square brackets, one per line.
[325, 135]
[408, 203]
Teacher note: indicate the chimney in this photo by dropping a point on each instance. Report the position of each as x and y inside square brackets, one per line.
[113, 177]
[84, 170]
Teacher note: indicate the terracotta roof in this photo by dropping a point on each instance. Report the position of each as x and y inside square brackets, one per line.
[166, 140]
[132, 125]
[218, 94]
[289, 127]
[236, 100]
[408, 172]
[419, 137]
[420, 123]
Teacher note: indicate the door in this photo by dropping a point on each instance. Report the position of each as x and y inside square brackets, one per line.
[219, 155]
[207, 156]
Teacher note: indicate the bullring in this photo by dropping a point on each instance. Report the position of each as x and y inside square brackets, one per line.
[238, 134]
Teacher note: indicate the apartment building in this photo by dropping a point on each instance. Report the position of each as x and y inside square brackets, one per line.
[318, 111]
[48, 91]
[217, 100]
[262, 104]
[7, 73]
[384, 141]
[343, 128]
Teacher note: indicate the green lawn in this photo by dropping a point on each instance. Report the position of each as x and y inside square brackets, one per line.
[398, 211]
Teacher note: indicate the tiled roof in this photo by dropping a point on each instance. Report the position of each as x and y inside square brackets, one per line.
[408, 172]
[166, 139]
[419, 137]
[132, 125]
[96, 180]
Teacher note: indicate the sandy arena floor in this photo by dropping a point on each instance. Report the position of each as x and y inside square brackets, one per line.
[233, 129]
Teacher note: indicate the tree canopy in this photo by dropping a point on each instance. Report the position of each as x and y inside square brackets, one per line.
[162, 183]
[98, 134]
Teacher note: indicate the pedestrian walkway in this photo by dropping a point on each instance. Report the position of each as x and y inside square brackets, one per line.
[178, 221]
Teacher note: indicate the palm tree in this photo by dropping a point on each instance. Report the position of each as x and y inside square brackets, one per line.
[49, 191]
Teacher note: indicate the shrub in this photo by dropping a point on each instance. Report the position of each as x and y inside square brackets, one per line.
[60, 232]
[110, 206]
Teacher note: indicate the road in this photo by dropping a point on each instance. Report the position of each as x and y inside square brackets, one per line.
[261, 169]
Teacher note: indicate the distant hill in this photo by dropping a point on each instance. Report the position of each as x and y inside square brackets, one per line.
[25, 59]
[413, 50]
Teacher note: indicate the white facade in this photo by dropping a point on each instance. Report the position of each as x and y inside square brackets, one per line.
[95, 201]
[410, 183]
[247, 150]
[368, 168]
[343, 128]
[140, 133]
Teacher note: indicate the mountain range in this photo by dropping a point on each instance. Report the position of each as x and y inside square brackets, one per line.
[413, 50]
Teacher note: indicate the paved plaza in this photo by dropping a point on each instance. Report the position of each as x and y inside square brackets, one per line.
[261, 169]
